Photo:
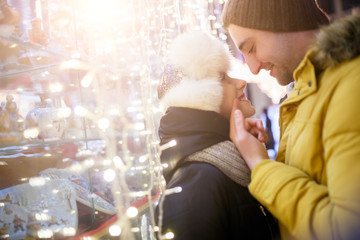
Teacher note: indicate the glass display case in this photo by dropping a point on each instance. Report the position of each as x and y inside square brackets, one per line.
[78, 153]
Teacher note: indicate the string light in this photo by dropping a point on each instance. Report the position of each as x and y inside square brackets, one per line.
[169, 235]
[116, 57]
[47, 233]
[36, 181]
[132, 212]
[170, 144]
[31, 133]
[115, 230]
[109, 175]
[69, 231]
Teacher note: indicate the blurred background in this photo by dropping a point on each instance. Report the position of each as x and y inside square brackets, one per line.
[79, 152]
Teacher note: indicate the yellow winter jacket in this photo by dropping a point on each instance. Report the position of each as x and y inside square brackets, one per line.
[313, 187]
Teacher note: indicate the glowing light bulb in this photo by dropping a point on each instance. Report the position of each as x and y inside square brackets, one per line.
[115, 230]
[74, 64]
[140, 126]
[217, 25]
[64, 112]
[118, 162]
[169, 235]
[223, 36]
[31, 133]
[76, 168]
[42, 217]
[143, 158]
[89, 162]
[46, 233]
[103, 123]
[70, 231]
[173, 190]
[109, 175]
[56, 87]
[87, 80]
[170, 144]
[80, 111]
[37, 181]
[132, 212]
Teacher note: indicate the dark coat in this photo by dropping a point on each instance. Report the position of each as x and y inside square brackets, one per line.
[210, 205]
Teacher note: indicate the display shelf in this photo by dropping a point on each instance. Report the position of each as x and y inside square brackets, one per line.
[76, 123]
[143, 204]
[28, 56]
[23, 45]
[20, 69]
[26, 147]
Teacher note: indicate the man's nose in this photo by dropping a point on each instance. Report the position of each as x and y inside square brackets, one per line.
[254, 64]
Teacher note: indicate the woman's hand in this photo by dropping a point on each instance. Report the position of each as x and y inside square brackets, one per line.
[248, 136]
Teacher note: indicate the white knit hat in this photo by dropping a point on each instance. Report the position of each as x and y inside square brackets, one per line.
[192, 77]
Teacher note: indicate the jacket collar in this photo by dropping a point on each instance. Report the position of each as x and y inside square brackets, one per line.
[336, 43]
[193, 131]
[305, 80]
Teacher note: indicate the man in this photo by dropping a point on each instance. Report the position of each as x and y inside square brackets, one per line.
[313, 186]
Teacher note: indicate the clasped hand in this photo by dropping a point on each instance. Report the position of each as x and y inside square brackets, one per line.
[249, 136]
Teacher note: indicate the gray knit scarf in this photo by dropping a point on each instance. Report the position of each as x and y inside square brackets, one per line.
[227, 159]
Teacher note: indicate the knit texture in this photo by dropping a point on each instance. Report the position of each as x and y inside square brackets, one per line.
[227, 159]
[192, 77]
[274, 15]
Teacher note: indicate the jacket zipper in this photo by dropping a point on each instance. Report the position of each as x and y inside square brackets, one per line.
[267, 222]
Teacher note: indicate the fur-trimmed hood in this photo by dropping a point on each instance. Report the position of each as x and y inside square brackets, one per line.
[192, 79]
[338, 42]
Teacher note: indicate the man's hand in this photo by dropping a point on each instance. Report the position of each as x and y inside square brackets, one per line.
[248, 135]
[253, 125]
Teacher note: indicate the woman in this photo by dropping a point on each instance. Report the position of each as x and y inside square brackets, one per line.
[197, 95]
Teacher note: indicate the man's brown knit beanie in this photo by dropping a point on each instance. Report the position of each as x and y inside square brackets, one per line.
[274, 15]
